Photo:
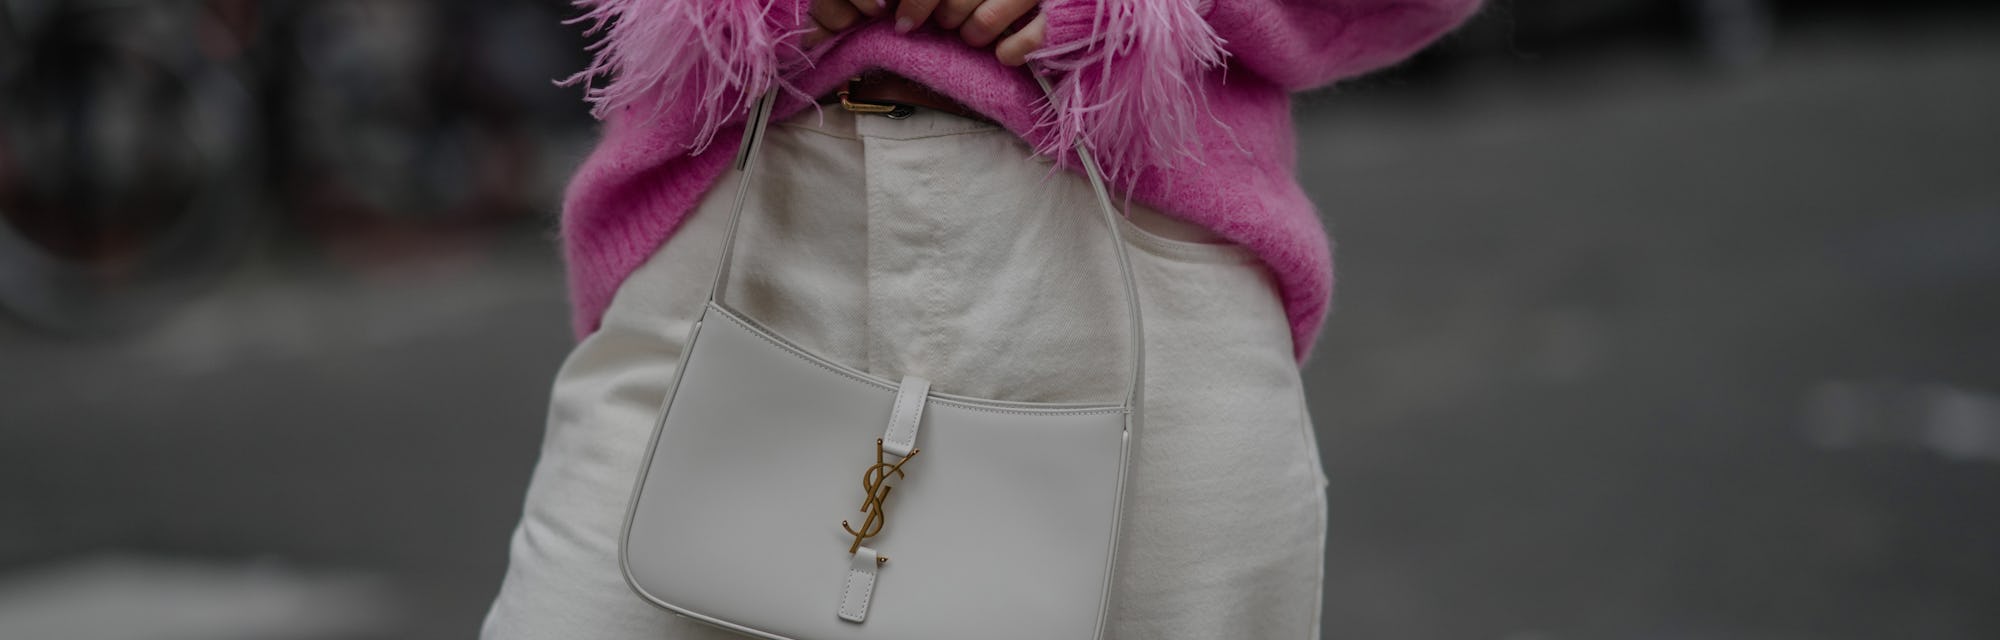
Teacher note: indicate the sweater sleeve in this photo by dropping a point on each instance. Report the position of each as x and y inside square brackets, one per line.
[1302, 44]
[1135, 74]
[705, 61]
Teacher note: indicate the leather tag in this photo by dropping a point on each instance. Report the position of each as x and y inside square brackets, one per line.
[860, 586]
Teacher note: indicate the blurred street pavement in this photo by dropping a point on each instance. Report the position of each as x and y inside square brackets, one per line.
[1638, 350]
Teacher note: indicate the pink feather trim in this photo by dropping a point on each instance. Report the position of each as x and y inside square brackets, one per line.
[718, 55]
[1130, 87]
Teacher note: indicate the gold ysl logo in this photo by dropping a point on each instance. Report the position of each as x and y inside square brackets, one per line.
[876, 482]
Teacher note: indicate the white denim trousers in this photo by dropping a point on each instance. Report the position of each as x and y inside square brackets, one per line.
[939, 245]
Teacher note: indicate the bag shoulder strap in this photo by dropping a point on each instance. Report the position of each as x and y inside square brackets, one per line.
[746, 161]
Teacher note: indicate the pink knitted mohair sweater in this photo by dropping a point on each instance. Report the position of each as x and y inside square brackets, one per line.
[1185, 102]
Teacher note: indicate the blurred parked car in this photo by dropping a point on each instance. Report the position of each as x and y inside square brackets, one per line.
[144, 147]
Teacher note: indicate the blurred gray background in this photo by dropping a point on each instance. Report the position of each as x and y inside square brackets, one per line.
[1656, 319]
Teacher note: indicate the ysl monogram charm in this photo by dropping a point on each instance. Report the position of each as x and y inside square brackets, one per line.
[875, 482]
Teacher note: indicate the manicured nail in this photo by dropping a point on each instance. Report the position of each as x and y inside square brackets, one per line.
[881, 5]
[904, 24]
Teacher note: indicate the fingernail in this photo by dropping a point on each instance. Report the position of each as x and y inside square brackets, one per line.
[904, 24]
[881, 4]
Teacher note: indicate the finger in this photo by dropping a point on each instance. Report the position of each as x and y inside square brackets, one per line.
[817, 35]
[835, 15]
[911, 14]
[1014, 50]
[871, 8]
[952, 13]
[991, 19]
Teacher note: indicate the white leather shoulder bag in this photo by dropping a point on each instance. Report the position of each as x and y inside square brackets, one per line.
[790, 497]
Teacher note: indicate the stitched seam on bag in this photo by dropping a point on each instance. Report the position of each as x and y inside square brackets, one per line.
[895, 423]
[794, 352]
[860, 609]
[896, 419]
[846, 605]
[867, 593]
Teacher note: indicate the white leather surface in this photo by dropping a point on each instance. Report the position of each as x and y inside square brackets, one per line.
[791, 436]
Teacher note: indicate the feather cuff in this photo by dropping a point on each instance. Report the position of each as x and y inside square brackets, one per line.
[719, 55]
[1129, 90]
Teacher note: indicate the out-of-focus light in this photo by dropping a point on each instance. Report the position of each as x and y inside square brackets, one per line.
[138, 598]
[1954, 423]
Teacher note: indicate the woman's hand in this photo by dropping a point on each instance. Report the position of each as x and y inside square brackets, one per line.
[979, 22]
[834, 16]
[1014, 49]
